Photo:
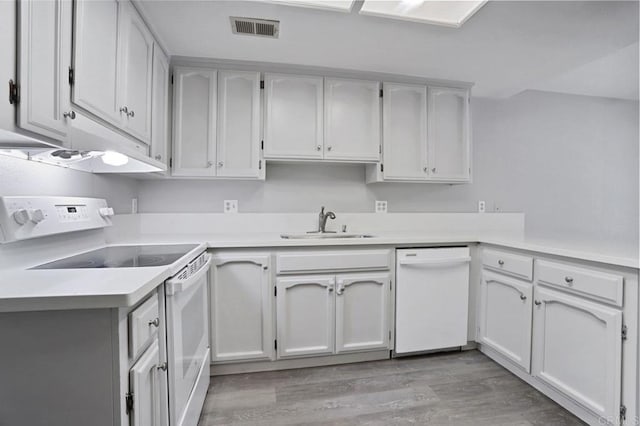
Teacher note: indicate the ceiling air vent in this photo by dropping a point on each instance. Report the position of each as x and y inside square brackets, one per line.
[254, 26]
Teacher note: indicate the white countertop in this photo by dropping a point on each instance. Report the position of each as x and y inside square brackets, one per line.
[22, 290]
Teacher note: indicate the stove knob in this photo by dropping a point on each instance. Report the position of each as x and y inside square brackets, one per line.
[106, 211]
[22, 216]
[37, 216]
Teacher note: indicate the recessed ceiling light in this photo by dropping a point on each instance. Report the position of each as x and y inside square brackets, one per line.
[437, 12]
[336, 5]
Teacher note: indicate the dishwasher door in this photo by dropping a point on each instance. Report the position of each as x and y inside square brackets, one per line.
[432, 299]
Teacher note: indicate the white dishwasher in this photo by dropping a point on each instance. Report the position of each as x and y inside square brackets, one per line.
[432, 299]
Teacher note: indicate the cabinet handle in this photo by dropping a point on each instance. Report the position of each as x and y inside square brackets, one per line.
[433, 170]
[500, 262]
[329, 148]
[318, 148]
[537, 302]
[523, 297]
[209, 164]
[330, 289]
[131, 114]
[124, 110]
[569, 280]
[155, 322]
[220, 164]
[70, 114]
[162, 366]
[158, 157]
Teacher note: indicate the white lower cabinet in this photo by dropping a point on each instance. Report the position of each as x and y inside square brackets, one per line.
[505, 317]
[577, 350]
[241, 308]
[149, 390]
[305, 315]
[362, 306]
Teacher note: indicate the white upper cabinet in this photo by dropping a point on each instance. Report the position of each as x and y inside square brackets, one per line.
[404, 130]
[96, 58]
[448, 138]
[577, 350]
[44, 61]
[293, 117]
[505, 317]
[135, 72]
[241, 307]
[238, 141]
[351, 120]
[305, 315]
[362, 311]
[160, 106]
[194, 125]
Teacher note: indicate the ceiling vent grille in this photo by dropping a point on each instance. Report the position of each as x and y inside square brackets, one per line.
[255, 27]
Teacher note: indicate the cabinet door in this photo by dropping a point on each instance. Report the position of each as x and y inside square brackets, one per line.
[241, 308]
[577, 349]
[404, 131]
[505, 317]
[96, 58]
[305, 315]
[147, 389]
[362, 312]
[352, 119]
[194, 125]
[44, 61]
[160, 106]
[448, 139]
[135, 68]
[238, 142]
[293, 116]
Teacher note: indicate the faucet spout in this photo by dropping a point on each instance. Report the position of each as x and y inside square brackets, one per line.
[322, 219]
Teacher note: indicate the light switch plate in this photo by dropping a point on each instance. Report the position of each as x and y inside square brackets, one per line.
[381, 206]
[231, 206]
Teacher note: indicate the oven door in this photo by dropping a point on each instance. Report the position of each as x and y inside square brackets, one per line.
[187, 336]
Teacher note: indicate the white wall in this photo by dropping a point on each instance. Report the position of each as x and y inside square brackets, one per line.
[22, 177]
[569, 162]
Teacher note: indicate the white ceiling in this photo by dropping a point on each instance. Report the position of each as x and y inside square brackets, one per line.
[588, 48]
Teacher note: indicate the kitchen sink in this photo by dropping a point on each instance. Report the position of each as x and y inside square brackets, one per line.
[323, 235]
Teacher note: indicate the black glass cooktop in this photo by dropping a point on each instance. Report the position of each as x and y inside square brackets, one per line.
[123, 257]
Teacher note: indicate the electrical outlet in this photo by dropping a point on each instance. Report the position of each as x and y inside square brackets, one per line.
[482, 207]
[134, 205]
[381, 206]
[231, 206]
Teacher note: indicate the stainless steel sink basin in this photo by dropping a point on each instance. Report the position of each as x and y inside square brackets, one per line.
[323, 235]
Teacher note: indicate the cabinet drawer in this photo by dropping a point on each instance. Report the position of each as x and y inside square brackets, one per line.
[591, 283]
[508, 263]
[143, 325]
[314, 261]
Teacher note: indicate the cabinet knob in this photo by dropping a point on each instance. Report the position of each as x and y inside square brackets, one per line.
[433, 170]
[537, 302]
[329, 148]
[70, 114]
[155, 322]
[162, 366]
[124, 110]
[220, 164]
[209, 164]
[568, 280]
[330, 289]
[131, 114]
[523, 297]
[158, 157]
[318, 148]
[426, 169]
[500, 262]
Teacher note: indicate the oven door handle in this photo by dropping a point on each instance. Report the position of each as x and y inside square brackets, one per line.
[177, 285]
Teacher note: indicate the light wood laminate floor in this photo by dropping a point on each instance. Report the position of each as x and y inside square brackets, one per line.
[461, 388]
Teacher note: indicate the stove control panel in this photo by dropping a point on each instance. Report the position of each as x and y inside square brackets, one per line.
[23, 218]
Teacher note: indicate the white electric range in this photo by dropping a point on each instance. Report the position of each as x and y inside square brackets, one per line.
[25, 221]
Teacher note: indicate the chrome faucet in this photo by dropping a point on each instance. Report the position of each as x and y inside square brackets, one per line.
[322, 220]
